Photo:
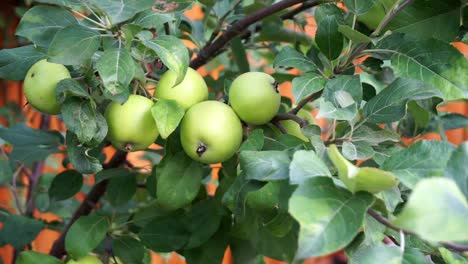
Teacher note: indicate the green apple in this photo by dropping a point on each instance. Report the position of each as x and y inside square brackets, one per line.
[254, 97]
[210, 132]
[131, 125]
[40, 83]
[86, 260]
[190, 91]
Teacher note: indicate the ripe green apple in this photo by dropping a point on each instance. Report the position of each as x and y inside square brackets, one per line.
[40, 83]
[190, 91]
[131, 125]
[210, 132]
[254, 97]
[86, 260]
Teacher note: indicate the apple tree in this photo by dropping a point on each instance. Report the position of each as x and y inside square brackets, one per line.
[120, 74]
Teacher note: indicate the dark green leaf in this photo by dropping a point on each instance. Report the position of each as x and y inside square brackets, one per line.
[457, 167]
[436, 211]
[254, 142]
[80, 156]
[390, 104]
[65, 185]
[30, 145]
[167, 114]
[328, 38]
[128, 249]
[120, 11]
[447, 122]
[6, 173]
[289, 57]
[85, 235]
[359, 7]
[179, 181]
[15, 63]
[238, 52]
[265, 165]
[33, 257]
[74, 45]
[421, 160]
[116, 68]
[111, 173]
[211, 252]
[329, 10]
[354, 35]
[329, 216]
[307, 84]
[151, 19]
[432, 61]
[306, 164]
[67, 88]
[121, 188]
[19, 231]
[202, 221]
[172, 52]
[165, 234]
[40, 23]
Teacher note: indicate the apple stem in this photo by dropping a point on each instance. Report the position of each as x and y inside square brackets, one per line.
[128, 146]
[201, 149]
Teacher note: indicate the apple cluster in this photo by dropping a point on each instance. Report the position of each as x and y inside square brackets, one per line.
[210, 131]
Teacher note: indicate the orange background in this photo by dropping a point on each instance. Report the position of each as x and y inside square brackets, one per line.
[12, 92]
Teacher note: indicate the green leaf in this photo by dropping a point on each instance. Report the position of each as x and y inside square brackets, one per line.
[357, 150]
[33, 257]
[254, 142]
[306, 164]
[436, 211]
[329, 216]
[167, 114]
[67, 88]
[81, 156]
[120, 11]
[432, 61]
[151, 19]
[424, 159]
[30, 145]
[65, 185]
[121, 189]
[354, 35]
[328, 38]
[179, 181]
[342, 95]
[239, 54]
[82, 118]
[359, 7]
[116, 68]
[85, 235]
[289, 57]
[128, 249]
[66, 3]
[457, 167]
[74, 45]
[164, 234]
[15, 63]
[202, 221]
[265, 165]
[307, 84]
[426, 19]
[172, 52]
[361, 179]
[6, 173]
[377, 254]
[374, 231]
[374, 137]
[390, 104]
[41, 23]
[329, 10]
[111, 173]
[451, 257]
[415, 256]
[19, 231]
[211, 252]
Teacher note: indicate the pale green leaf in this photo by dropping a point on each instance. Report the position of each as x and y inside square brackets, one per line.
[382, 254]
[306, 164]
[289, 57]
[307, 84]
[265, 165]
[120, 11]
[116, 69]
[167, 114]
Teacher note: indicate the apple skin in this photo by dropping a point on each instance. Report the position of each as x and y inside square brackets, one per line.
[131, 125]
[190, 91]
[86, 260]
[210, 132]
[40, 83]
[254, 97]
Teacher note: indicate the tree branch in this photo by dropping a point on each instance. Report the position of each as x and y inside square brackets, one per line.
[207, 52]
[58, 249]
[354, 54]
[289, 116]
[305, 101]
[385, 222]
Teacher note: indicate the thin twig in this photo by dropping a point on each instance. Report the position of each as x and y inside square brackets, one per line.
[384, 221]
[280, 127]
[88, 19]
[221, 22]
[289, 116]
[15, 191]
[237, 28]
[305, 101]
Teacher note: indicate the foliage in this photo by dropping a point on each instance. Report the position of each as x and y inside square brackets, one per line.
[278, 196]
